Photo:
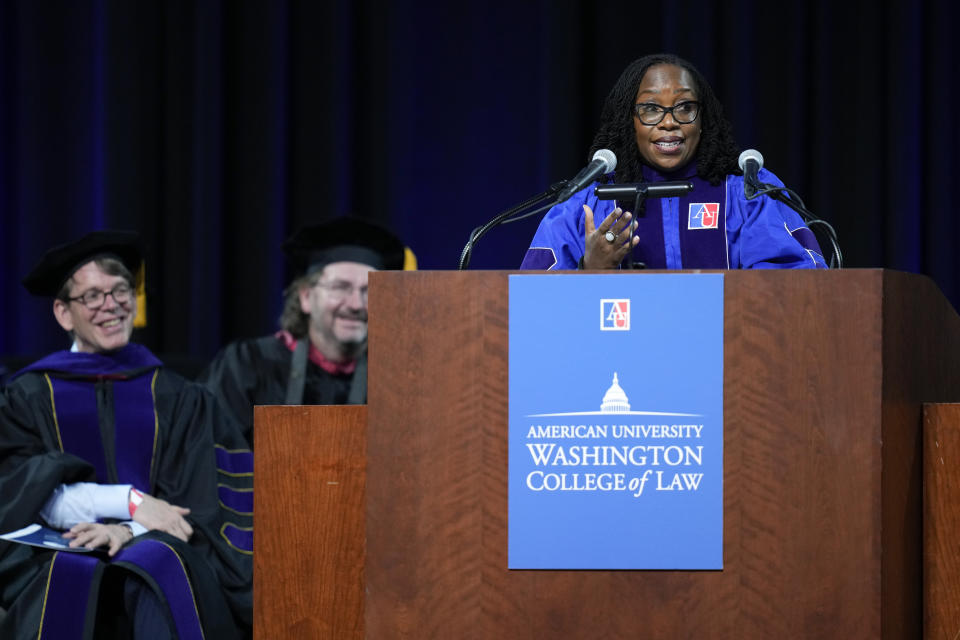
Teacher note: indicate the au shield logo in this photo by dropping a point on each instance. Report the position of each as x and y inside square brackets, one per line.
[703, 215]
[615, 314]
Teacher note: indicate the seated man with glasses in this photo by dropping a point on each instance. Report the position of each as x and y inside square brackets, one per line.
[125, 458]
[663, 122]
[319, 354]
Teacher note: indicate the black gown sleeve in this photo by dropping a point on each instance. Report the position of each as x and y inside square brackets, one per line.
[236, 376]
[189, 474]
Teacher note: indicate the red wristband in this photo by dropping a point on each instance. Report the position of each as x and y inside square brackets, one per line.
[135, 499]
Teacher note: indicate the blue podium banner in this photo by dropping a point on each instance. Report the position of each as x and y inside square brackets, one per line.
[616, 421]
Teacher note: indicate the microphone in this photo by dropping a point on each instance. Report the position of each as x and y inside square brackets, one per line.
[750, 161]
[604, 161]
[644, 189]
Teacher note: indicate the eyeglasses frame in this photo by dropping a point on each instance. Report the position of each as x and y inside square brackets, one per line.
[111, 293]
[664, 111]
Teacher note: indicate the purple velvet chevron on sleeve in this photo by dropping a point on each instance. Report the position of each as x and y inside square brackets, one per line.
[807, 240]
[541, 258]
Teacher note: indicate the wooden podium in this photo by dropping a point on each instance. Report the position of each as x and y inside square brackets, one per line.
[825, 374]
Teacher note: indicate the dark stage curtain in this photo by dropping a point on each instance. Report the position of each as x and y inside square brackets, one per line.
[217, 128]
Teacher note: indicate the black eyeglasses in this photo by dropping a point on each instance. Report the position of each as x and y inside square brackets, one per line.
[650, 113]
[94, 298]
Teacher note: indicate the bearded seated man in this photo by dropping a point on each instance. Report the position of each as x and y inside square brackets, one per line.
[130, 462]
[319, 356]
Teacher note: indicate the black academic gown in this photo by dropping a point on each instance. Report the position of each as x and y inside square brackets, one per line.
[251, 372]
[197, 459]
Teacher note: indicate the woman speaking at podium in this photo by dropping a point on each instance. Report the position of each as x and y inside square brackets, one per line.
[664, 123]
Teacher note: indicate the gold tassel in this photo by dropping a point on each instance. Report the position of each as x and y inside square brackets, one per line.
[409, 260]
[140, 321]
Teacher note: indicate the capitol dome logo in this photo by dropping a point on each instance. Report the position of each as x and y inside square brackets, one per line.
[615, 401]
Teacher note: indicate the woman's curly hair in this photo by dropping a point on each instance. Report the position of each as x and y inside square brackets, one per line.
[717, 153]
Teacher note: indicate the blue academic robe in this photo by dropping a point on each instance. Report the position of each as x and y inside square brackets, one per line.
[712, 227]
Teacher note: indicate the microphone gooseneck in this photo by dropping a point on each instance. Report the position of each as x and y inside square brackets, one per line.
[751, 161]
[604, 161]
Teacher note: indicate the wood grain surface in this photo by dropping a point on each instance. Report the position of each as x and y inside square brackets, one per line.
[309, 466]
[921, 342]
[941, 518]
[821, 468]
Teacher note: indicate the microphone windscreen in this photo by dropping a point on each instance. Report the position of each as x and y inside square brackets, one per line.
[750, 154]
[607, 156]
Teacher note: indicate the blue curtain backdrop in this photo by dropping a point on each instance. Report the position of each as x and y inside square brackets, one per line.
[216, 128]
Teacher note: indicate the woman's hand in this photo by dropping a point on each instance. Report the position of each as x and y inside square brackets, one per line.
[604, 251]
